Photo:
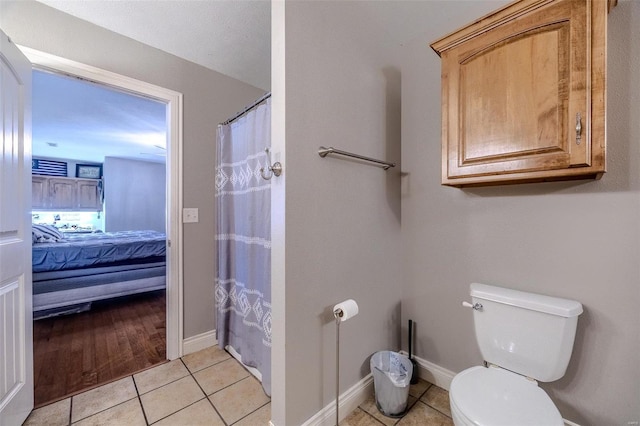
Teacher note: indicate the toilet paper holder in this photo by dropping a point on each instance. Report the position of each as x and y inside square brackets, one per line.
[341, 312]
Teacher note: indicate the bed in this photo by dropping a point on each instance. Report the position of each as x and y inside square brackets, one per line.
[71, 272]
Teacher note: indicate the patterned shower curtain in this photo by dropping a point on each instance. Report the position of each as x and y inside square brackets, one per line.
[243, 237]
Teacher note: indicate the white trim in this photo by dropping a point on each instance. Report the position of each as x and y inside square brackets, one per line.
[349, 401]
[569, 423]
[199, 341]
[433, 373]
[174, 103]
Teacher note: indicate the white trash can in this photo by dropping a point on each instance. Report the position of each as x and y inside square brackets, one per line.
[391, 378]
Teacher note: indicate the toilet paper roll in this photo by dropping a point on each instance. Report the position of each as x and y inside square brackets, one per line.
[345, 310]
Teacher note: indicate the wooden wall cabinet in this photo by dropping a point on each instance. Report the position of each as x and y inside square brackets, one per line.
[89, 194]
[523, 94]
[39, 192]
[60, 193]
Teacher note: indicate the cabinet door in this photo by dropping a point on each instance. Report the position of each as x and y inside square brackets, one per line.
[39, 192]
[62, 194]
[517, 99]
[89, 195]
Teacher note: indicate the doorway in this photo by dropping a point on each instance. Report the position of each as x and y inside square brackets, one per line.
[173, 102]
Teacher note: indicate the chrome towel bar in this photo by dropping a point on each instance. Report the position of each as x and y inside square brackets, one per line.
[323, 152]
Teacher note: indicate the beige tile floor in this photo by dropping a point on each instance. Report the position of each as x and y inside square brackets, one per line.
[429, 406]
[211, 388]
[204, 388]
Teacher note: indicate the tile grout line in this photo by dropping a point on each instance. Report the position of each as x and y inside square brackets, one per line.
[436, 409]
[205, 394]
[248, 414]
[395, 422]
[176, 412]
[231, 384]
[70, 409]
[417, 399]
[144, 414]
[249, 375]
[190, 373]
[424, 392]
[166, 384]
[372, 416]
[431, 406]
[106, 409]
[205, 367]
[138, 395]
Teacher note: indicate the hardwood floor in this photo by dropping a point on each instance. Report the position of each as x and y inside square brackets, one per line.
[114, 339]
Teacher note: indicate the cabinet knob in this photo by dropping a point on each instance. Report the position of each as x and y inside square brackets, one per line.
[578, 129]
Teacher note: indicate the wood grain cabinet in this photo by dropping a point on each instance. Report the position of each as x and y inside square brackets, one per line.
[60, 194]
[39, 192]
[523, 94]
[89, 194]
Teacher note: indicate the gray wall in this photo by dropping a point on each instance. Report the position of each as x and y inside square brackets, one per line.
[209, 98]
[135, 195]
[337, 67]
[578, 240]
[342, 218]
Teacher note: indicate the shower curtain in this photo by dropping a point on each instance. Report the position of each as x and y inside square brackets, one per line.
[243, 237]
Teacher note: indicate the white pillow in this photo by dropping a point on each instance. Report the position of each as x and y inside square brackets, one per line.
[46, 234]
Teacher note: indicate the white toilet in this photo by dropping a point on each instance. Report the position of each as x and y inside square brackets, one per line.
[523, 337]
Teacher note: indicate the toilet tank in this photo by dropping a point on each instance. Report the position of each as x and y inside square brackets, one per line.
[527, 333]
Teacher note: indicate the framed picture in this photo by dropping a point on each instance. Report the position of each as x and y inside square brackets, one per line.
[48, 167]
[89, 171]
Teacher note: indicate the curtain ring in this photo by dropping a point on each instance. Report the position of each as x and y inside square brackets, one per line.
[275, 169]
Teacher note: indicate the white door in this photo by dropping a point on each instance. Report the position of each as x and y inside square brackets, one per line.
[16, 327]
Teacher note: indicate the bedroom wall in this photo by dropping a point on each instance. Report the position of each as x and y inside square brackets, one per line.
[209, 98]
[578, 240]
[135, 195]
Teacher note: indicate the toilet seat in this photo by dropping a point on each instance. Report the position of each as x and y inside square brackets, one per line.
[495, 397]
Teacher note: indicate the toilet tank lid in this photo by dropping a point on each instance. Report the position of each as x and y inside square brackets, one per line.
[535, 302]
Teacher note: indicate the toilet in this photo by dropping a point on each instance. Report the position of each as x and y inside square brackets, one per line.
[524, 338]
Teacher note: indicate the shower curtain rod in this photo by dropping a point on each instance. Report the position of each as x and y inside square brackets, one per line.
[247, 109]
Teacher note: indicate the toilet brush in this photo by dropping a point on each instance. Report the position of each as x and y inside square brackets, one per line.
[414, 374]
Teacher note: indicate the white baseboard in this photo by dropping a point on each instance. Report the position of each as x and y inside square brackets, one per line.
[349, 401]
[198, 342]
[433, 373]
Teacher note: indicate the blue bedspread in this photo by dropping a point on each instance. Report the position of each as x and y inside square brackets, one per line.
[82, 250]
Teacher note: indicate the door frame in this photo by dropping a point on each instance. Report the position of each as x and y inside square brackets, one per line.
[174, 100]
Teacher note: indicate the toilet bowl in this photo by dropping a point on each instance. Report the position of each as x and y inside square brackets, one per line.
[524, 338]
[492, 396]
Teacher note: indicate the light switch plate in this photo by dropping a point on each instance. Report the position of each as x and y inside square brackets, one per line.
[189, 215]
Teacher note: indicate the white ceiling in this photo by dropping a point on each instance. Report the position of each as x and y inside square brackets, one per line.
[82, 121]
[76, 120]
[232, 37]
